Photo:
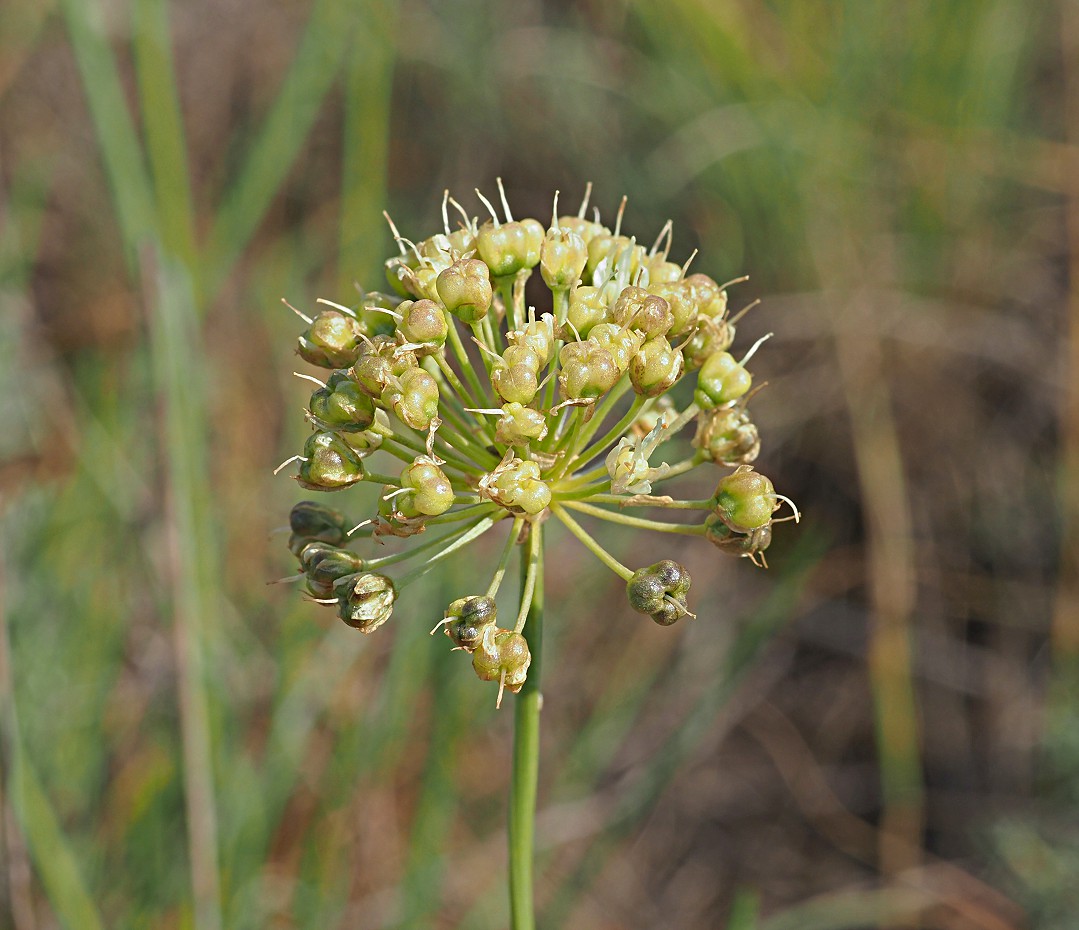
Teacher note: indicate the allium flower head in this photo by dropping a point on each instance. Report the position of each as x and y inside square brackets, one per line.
[500, 412]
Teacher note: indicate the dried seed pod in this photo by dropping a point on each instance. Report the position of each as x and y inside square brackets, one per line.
[467, 617]
[311, 522]
[323, 564]
[727, 436]
[660, 591]
[365, 600]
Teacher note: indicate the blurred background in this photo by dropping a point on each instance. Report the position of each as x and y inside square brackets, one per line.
[879, 731]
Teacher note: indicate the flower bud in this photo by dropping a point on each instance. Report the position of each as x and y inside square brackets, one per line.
[502, 652]
[721, 380]
[413, 397]
[519, 425]
[745, 499]
[563, 256]
[432, 492]
[646, 313]
[510, 247]
[465, 289]
[423, 322]
[655, 368]
[323, 564]
[333, 340]
[660, 590]
[330, 464]
[365, 600]
[466, 619]
[727, 436]
[314, 522]
[588, 370]
[342, 405]
[587, 308]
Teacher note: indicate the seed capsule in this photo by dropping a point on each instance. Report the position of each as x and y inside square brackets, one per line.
[465, 289]
[502, 652]
[721, 380]
[333, 340]
[313, 522]
[330, 464]
[466, 619]
[745, 500]
[660, 590]
[365, 600]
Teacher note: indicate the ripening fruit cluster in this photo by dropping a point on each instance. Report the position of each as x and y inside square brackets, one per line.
[496, 411]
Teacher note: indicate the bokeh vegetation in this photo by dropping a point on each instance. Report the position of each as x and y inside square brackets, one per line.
[879, 731]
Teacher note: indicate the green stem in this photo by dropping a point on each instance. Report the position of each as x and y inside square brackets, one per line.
[526, 733]
[463, 360]
[475, 532]
[496, 582]
[594, 547]
[637, 522]
[706, 504]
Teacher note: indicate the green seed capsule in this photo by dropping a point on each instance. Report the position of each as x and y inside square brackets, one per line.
[721, 380]
[432, 493]
[621, 342]
[330, 463]
[502, 652]
[313, 522]
[510, 247]
[323, 564]
[655, 368]
[587, 308]
[586, 229]
[727, 436]
[563, 256]
[423, 322]
[681, 299]
[745, 500]
[588, 370]
[519, 425]
[342, 405]
[643, 312]
[465, 289]
[365, 600]
[660, 590]
[711, 299]
[333, 340]
[467, 617]
[413, 397]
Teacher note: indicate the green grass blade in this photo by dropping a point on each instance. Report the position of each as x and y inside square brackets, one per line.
[368, 82]
[120, 151]
[165, 143]
[283, 133]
